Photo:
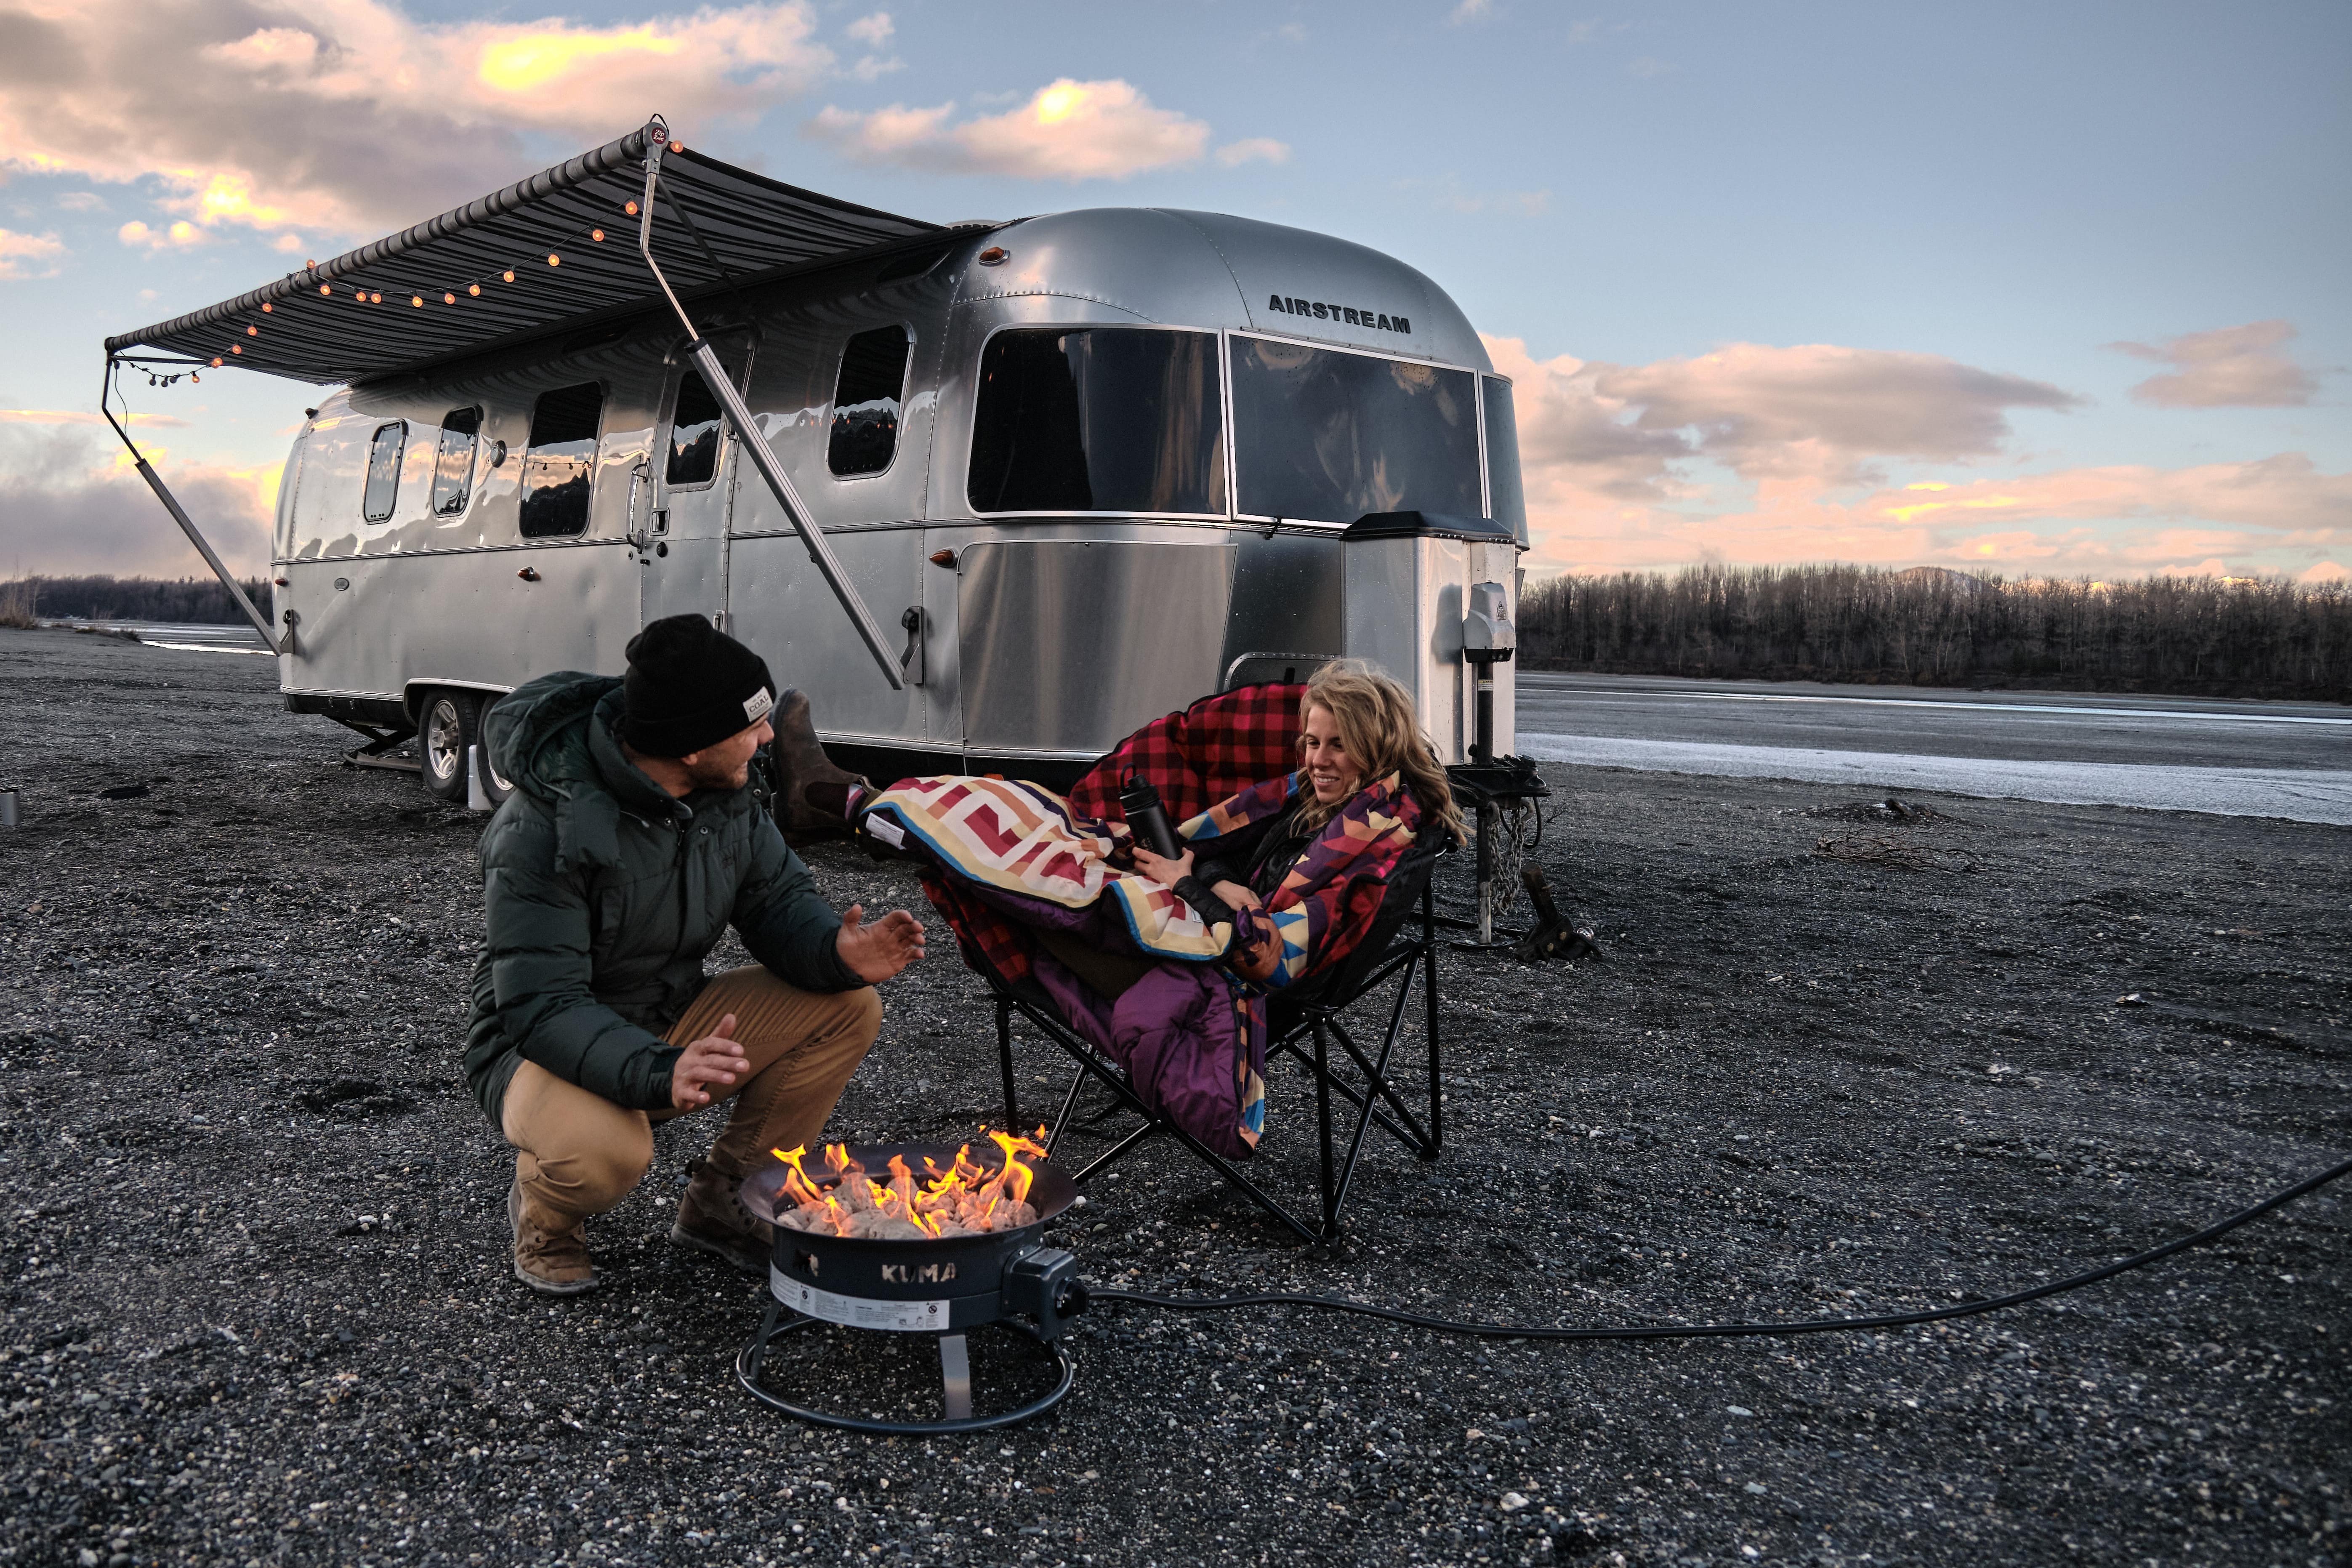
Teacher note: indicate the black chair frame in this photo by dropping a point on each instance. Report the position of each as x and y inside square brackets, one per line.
[1302, 1028]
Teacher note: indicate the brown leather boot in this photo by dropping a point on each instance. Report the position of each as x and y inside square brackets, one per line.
[551, 1253]
[711, 1218]
[800, 762]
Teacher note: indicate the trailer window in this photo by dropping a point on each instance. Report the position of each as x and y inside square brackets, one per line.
[561, 462]
[865, 402]
[694, 430]
[453, 463]
[1098, 419]
[1327, 436]
[1506, 500]
[384, 470]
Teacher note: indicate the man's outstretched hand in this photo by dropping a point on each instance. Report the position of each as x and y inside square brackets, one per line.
[875, 952]
[715, 1058]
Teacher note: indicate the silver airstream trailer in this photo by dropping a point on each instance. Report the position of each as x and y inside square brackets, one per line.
[993, 494]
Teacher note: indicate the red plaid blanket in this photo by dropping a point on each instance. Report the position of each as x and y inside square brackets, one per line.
[1211, 752]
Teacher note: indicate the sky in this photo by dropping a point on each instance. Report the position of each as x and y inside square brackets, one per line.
[2035, 290]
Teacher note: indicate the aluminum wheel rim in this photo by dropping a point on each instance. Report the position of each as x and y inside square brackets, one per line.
[442, 752]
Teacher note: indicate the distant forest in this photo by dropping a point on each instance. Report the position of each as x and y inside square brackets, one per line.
[188, 601]
[1931, 626]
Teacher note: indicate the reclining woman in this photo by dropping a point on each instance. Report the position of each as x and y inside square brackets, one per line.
[1165, 966]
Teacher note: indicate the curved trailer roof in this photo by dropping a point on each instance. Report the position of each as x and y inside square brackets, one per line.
[723, 228]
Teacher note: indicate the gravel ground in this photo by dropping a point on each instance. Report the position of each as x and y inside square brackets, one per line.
[258, 1309]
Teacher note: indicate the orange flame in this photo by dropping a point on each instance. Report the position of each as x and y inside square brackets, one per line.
[965, 1197]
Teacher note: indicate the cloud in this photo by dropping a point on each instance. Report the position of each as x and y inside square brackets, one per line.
[67, 508]
[81, 202]
[2228, 367]
[349, 117]
[1620, 465]
[1821, 410]
[1067, 130]
[1470, 11]
[1235, 153]
[872, 31]
[79, 416]
[177, 235]
[29, 255]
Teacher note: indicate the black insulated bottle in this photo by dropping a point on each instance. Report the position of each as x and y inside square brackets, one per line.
[1147, 819]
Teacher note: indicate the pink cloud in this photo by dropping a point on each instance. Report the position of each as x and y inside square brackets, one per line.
[2228, 367]
[1066, 131]
[348, 116]
[1621, 467]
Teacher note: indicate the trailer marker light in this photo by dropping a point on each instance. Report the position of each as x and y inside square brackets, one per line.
[995, 255]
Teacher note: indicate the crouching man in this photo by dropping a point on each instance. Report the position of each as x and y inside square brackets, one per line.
[634, 838]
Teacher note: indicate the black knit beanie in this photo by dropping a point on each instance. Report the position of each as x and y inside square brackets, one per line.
[690, 685]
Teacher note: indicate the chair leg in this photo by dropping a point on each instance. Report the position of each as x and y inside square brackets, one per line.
[1005, 1059]
[1069, 1103]
[1436, 1090]
[1323, 1128]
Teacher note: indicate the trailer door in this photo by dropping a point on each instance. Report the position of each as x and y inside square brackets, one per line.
[685, 501]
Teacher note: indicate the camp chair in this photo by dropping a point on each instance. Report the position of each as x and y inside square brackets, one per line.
[1213, 749]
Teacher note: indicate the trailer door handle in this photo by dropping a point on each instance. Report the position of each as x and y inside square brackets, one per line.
[911, 663]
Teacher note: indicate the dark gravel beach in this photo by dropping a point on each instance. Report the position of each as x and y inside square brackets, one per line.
[258, 1309]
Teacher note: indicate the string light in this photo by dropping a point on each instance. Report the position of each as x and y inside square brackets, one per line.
[507, 274]
[417, 300]
[448, 299]
[326, 288]
[216, 362]
[597, 234]
[253, 331]
[630, 209]
[474, 289]
[553, 259]
[266, 307]
[234, 349]
[376, 298]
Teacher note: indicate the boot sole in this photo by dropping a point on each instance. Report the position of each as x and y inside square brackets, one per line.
[744, 1263]
[545, 1287]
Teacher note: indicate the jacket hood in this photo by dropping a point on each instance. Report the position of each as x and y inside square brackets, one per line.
[553, 739]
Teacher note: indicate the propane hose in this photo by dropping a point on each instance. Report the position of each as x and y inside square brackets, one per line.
[2210, 1234]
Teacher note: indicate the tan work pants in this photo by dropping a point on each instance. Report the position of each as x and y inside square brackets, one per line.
[581, 1153]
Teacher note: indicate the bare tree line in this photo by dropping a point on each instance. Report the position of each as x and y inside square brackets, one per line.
[1931, 626]
[185, 601]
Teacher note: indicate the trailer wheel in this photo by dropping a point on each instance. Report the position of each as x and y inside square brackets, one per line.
[494, 784]
[444, 730]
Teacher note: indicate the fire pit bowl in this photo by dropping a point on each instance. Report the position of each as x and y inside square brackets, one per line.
[944, 1286]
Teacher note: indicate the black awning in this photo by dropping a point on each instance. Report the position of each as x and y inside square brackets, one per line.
[444, 293]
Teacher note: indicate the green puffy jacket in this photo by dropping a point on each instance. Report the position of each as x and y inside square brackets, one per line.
[605, 893]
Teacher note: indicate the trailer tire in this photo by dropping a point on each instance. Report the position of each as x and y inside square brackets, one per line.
[445, 726]
[493, 785]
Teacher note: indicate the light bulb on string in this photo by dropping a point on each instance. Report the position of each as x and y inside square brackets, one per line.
[253, 331]
[597, 234]
[417, 300]
[553, 259]
[630, 209]
[376, 298]
[448, 299]
[475, 290]
[267, 309]
[236, 349]
[508, 274]
[326, 288]
[216, 362]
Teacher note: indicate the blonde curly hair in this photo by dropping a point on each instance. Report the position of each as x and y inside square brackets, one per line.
[1380, 729]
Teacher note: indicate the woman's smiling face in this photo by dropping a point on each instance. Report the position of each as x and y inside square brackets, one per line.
[1334, 774]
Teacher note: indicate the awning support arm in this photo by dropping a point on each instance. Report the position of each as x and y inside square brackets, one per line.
[180, 515]
[763, 458]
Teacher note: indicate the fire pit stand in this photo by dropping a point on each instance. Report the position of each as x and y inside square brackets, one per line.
[946, 1287]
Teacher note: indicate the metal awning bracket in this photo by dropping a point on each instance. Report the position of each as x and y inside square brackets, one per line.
[753, 441]
[187, 524]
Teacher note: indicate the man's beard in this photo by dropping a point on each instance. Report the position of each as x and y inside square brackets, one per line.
[717, 775]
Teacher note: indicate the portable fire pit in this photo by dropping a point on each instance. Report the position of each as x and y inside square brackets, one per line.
[916, 1238]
